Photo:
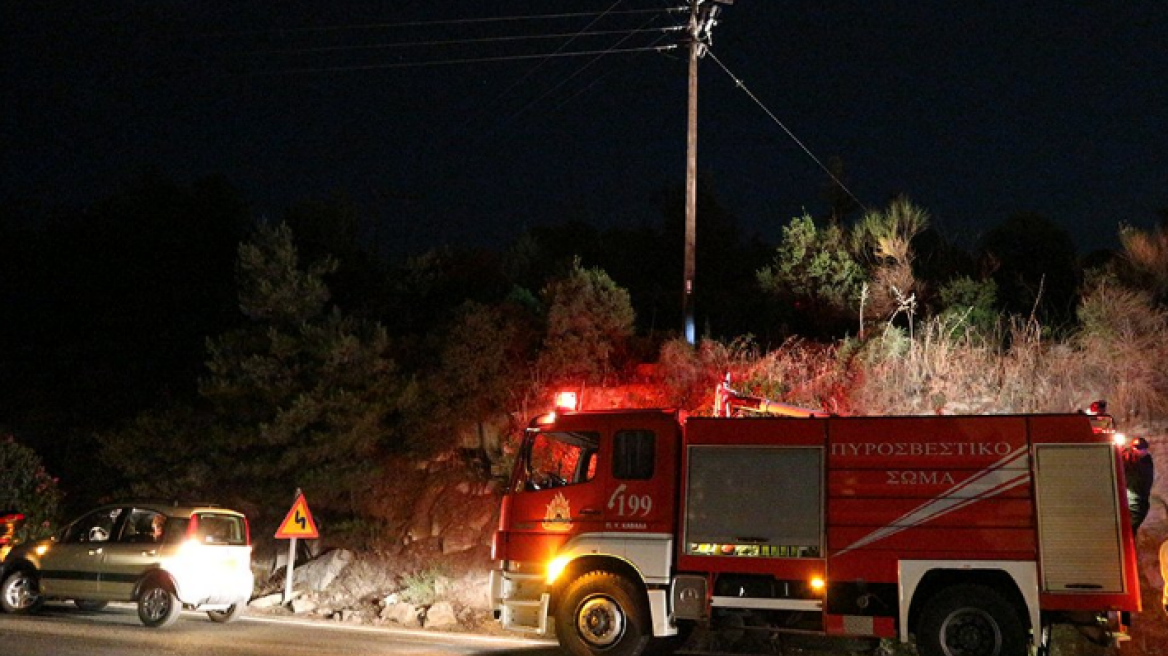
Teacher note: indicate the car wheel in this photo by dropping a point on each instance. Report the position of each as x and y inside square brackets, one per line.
[229, 614]
[90, 605]
[19, 593]
[158, 606]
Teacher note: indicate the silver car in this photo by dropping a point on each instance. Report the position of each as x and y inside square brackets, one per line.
[163, 557]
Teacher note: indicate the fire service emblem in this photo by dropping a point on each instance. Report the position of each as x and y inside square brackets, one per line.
[559, 514]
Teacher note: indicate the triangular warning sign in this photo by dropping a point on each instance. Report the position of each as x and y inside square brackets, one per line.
[298, 523]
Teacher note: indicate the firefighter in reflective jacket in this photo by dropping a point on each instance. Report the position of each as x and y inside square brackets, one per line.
[1139, 472]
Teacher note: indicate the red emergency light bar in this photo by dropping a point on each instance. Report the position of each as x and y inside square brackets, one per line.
[565, 401]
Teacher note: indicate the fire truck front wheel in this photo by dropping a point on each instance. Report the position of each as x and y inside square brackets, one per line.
[603, 613]
[970, 620]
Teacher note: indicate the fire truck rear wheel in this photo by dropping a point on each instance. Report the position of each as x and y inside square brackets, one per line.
[603, 613]
[970, 620]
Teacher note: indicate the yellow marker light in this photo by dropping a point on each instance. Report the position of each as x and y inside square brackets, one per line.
[42, 549]
[556, 567]
[818, 584]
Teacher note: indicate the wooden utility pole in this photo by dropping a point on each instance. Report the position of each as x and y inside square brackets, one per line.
[691, 174]
[701, 21]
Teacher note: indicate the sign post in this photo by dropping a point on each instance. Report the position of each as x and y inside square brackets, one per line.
[297, 524]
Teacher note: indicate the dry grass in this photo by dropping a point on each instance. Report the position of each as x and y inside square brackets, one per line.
[947, 369]
[798, 373]
[1119, 355]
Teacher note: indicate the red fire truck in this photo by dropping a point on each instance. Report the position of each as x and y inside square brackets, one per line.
[972, 534]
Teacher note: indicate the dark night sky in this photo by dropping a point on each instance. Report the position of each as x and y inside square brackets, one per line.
[975, 110]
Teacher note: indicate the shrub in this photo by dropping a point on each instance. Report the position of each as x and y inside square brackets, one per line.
[420, 587]
[589, 322]
[970, 302]
[28, 489]
[1122, 329]
[814, 271]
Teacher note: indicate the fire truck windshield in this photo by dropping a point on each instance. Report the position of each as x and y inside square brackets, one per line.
[558, 459]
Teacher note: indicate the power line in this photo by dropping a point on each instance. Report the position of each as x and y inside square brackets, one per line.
[597, 79]
[578, 71]
[739, 83]
[510, 118]
[451, 42]
[531, 71]
[544, 57]
[436, 23]
[463, 60]
[607, 12]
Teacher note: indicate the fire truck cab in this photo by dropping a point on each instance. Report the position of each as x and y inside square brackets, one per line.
[972, 535]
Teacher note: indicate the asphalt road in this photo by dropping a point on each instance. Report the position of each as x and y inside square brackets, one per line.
[62, 630]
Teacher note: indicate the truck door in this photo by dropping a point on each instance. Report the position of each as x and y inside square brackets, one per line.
[640, 489]
[558, 492]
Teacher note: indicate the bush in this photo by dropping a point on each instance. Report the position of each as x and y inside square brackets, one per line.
[420, 588]
[1122, 330]
[589, 323]
[814, 272]
[28, 489]
[972, 303]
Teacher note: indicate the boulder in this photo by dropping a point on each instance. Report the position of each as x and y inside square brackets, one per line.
[318, 574]
[482, 512]
[458, 539]
[441, 615]
[403, 613]
[473, 591]
[303, 605]
[268, 601]
[421, 525]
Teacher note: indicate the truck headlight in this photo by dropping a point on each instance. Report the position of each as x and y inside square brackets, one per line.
[556, 567]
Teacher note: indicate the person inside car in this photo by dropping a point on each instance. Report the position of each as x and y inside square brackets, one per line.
[156, 526]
